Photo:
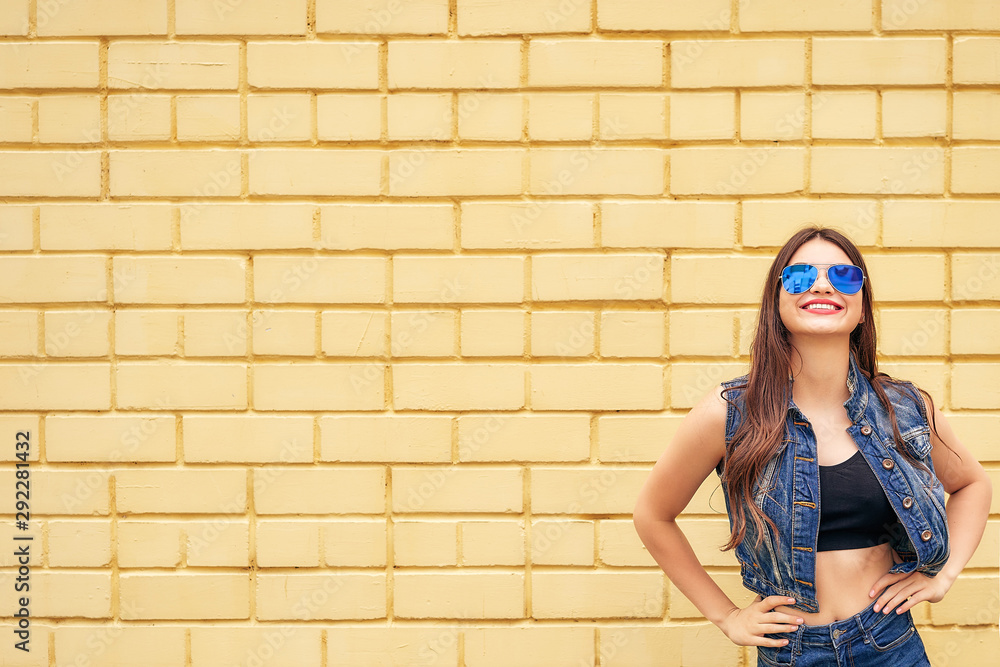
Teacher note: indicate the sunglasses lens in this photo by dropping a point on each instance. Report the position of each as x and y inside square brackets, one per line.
[797, 278]
[846, 278]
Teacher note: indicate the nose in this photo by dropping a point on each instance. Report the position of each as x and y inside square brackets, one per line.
[822, 284]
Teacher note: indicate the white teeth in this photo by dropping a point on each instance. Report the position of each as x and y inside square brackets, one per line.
[821, 306]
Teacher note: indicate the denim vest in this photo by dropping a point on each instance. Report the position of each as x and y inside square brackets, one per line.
[788, 492]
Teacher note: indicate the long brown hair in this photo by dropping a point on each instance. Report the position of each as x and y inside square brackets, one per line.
[762, 429]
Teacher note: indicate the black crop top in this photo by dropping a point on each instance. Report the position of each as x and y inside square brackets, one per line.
[854, 510]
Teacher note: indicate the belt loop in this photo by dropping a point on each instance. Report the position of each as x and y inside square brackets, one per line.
[861, 626]
[801, 630]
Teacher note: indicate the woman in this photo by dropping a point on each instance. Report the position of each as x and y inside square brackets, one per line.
[833, 478]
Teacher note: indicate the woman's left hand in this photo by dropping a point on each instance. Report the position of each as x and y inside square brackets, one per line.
[906, 589]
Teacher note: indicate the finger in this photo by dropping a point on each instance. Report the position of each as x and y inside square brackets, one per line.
[775, 628]
[896, 599]
[782, 617]
[772, 601]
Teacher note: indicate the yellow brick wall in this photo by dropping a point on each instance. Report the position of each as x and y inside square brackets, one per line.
[346, 330]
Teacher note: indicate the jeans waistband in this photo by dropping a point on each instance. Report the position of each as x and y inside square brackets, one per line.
[840, 632]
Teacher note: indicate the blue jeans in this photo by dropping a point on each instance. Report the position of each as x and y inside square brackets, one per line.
[867, 639]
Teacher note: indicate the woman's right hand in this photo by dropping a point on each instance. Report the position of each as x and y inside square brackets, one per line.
[747, 626]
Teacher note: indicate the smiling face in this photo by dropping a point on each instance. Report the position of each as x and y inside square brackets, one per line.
[847, 308]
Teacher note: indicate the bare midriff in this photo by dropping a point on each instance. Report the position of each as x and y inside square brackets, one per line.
[843, 579]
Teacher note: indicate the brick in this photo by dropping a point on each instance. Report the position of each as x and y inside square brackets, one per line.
[102, 647]
[597, 594]
[452, 64]
[19, 334]
[736, 170]
[214, 333]
[56, 386]
[50, 173]
[590, 490]
[458, 386]
[560, 116]
[632, 334]
[167, 595]
[968, 597]
[378, 17]
[281, 646]
[940, 15]
[914, 113]
[967, 327]
[973, 112]
[102, 17]
[484, 17]
[248, 17]
[625, 116]
[924, 272]
[419, 116]
[34, 556]
[737, 63]
[877, 61]
[570, 62]
[138, 117]
[549, 224]
[668, 224]
[912, 331]
[190, 385]
[492, 543]
[562, 542]
[105, 227]
[451, 172]
[457, 279]
[349, 117]
[775, 15]
[456, 489]
[313, 65]
[611, 171]
[619, 544]
[583, 387]
[686, 644]
[14, 21]
[523, 438]
[180, 280]
[622, 439]
[64, 491]
[354, 333]
[689, 382]
[277, 332]
[198, 173]
[961, 223]
[188, 491]
[43, 64]
[89, 438]
[702, 115]
[291, 490]
[619, 276]
[490, 333]
[176, 65]
[974, 276]
[875, 170]
[17, 227]
[74, 119]
[730, 583]
[773, 115]
[15, 119]
[281, 386]
[246, 226]
[975, 60]
[62, 594]
[288, 543]
[281, 117]
[79, 543]
[147, 332]
[328, 596]
[396, 645]
[772, 222]
[424, 333]
[247, 439]
[208, 117]
[701, 332]
[77, 333]
[387, 226]
[490, 116]
[669, 15]
[427, 543]
[458, 595]
[319, 279]
[149, 543]
[218, 543]
[844, 114]
[354, 543]
[563, 334]
[314, 171]
[971, 168]
[529, 646]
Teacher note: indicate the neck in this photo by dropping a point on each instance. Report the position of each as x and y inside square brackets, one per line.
[820, 369]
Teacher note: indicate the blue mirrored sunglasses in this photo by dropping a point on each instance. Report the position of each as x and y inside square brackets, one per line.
[845, 278]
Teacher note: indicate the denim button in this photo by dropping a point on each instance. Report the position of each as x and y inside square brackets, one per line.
[926, 535]
[907, 502]
[866, 430]
[887, 464]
